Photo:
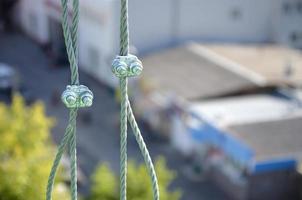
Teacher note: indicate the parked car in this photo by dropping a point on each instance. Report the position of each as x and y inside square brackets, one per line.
[10, 83]
[8, 78]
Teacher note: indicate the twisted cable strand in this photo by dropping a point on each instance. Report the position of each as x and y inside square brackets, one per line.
[124, 50]
[74, 80]
[123, 142]
[61, 148]
[73, 162]
[75, 27]
[124, 29]
[126, 112]
[142, 145]
[71, 42]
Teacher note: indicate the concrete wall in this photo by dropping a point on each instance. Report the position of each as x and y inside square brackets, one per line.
[98, 39]
[277, 185]
[151, 23]
[287, 27]
[158, 23]
[33, 19]
[233, 190]
[224, 20]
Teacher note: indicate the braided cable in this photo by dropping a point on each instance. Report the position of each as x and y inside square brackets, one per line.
[127, 114]
[71, 42]
[124, 29]
[74, 80]
[68, 132]
[73, 162]
[123, 142]
[75, 27]
[124, 50]
[144, 151]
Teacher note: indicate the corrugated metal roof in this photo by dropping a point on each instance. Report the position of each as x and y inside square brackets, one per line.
[270, 126]
[273, 62]
[245, 109]
[272, 139]
[190, 75]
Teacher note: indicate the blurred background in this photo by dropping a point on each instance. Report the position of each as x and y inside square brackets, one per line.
[219, 102]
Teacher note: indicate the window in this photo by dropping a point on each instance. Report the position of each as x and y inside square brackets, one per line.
[94, 58]
[236, 13]
[293, 37]
[286, 8]
[299, 7]
[33, 22]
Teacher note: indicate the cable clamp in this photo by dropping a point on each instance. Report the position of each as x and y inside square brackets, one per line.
[127, 66]
[77, 96]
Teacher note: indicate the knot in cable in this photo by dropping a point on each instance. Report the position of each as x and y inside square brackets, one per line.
[127, 66]
[77, 96]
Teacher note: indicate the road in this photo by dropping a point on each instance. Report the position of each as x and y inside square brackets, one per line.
[97, 141]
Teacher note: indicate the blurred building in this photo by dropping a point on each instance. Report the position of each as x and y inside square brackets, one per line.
[175, 78]
[157, 24]
[273, 63]
[249, 145]
[41, 19]
[234, 109]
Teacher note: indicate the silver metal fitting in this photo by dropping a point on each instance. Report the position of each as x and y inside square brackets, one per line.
[77, 96]
[127, 66]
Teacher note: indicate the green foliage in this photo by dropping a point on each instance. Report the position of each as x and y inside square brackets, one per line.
[105, 184]
[25, 152]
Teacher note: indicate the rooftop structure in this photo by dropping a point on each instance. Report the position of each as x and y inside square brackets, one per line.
[276, 139]
[252, 129]
[189, 75]
[247, 109]
[274, 63]
[257, 137]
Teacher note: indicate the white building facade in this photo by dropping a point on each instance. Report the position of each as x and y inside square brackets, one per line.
[155, 24]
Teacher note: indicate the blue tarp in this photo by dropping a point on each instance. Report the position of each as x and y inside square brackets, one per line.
[207, 133]
[274, 165]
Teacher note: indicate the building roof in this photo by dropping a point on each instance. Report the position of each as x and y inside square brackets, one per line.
[270, 126]
[271, 62]
[190, 75]
[230, 111]
[272, 139]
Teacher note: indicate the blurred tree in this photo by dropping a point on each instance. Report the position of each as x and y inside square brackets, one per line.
[105, 184]
[26, 152]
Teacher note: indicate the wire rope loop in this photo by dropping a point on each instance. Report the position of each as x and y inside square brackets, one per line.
[75, 96]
